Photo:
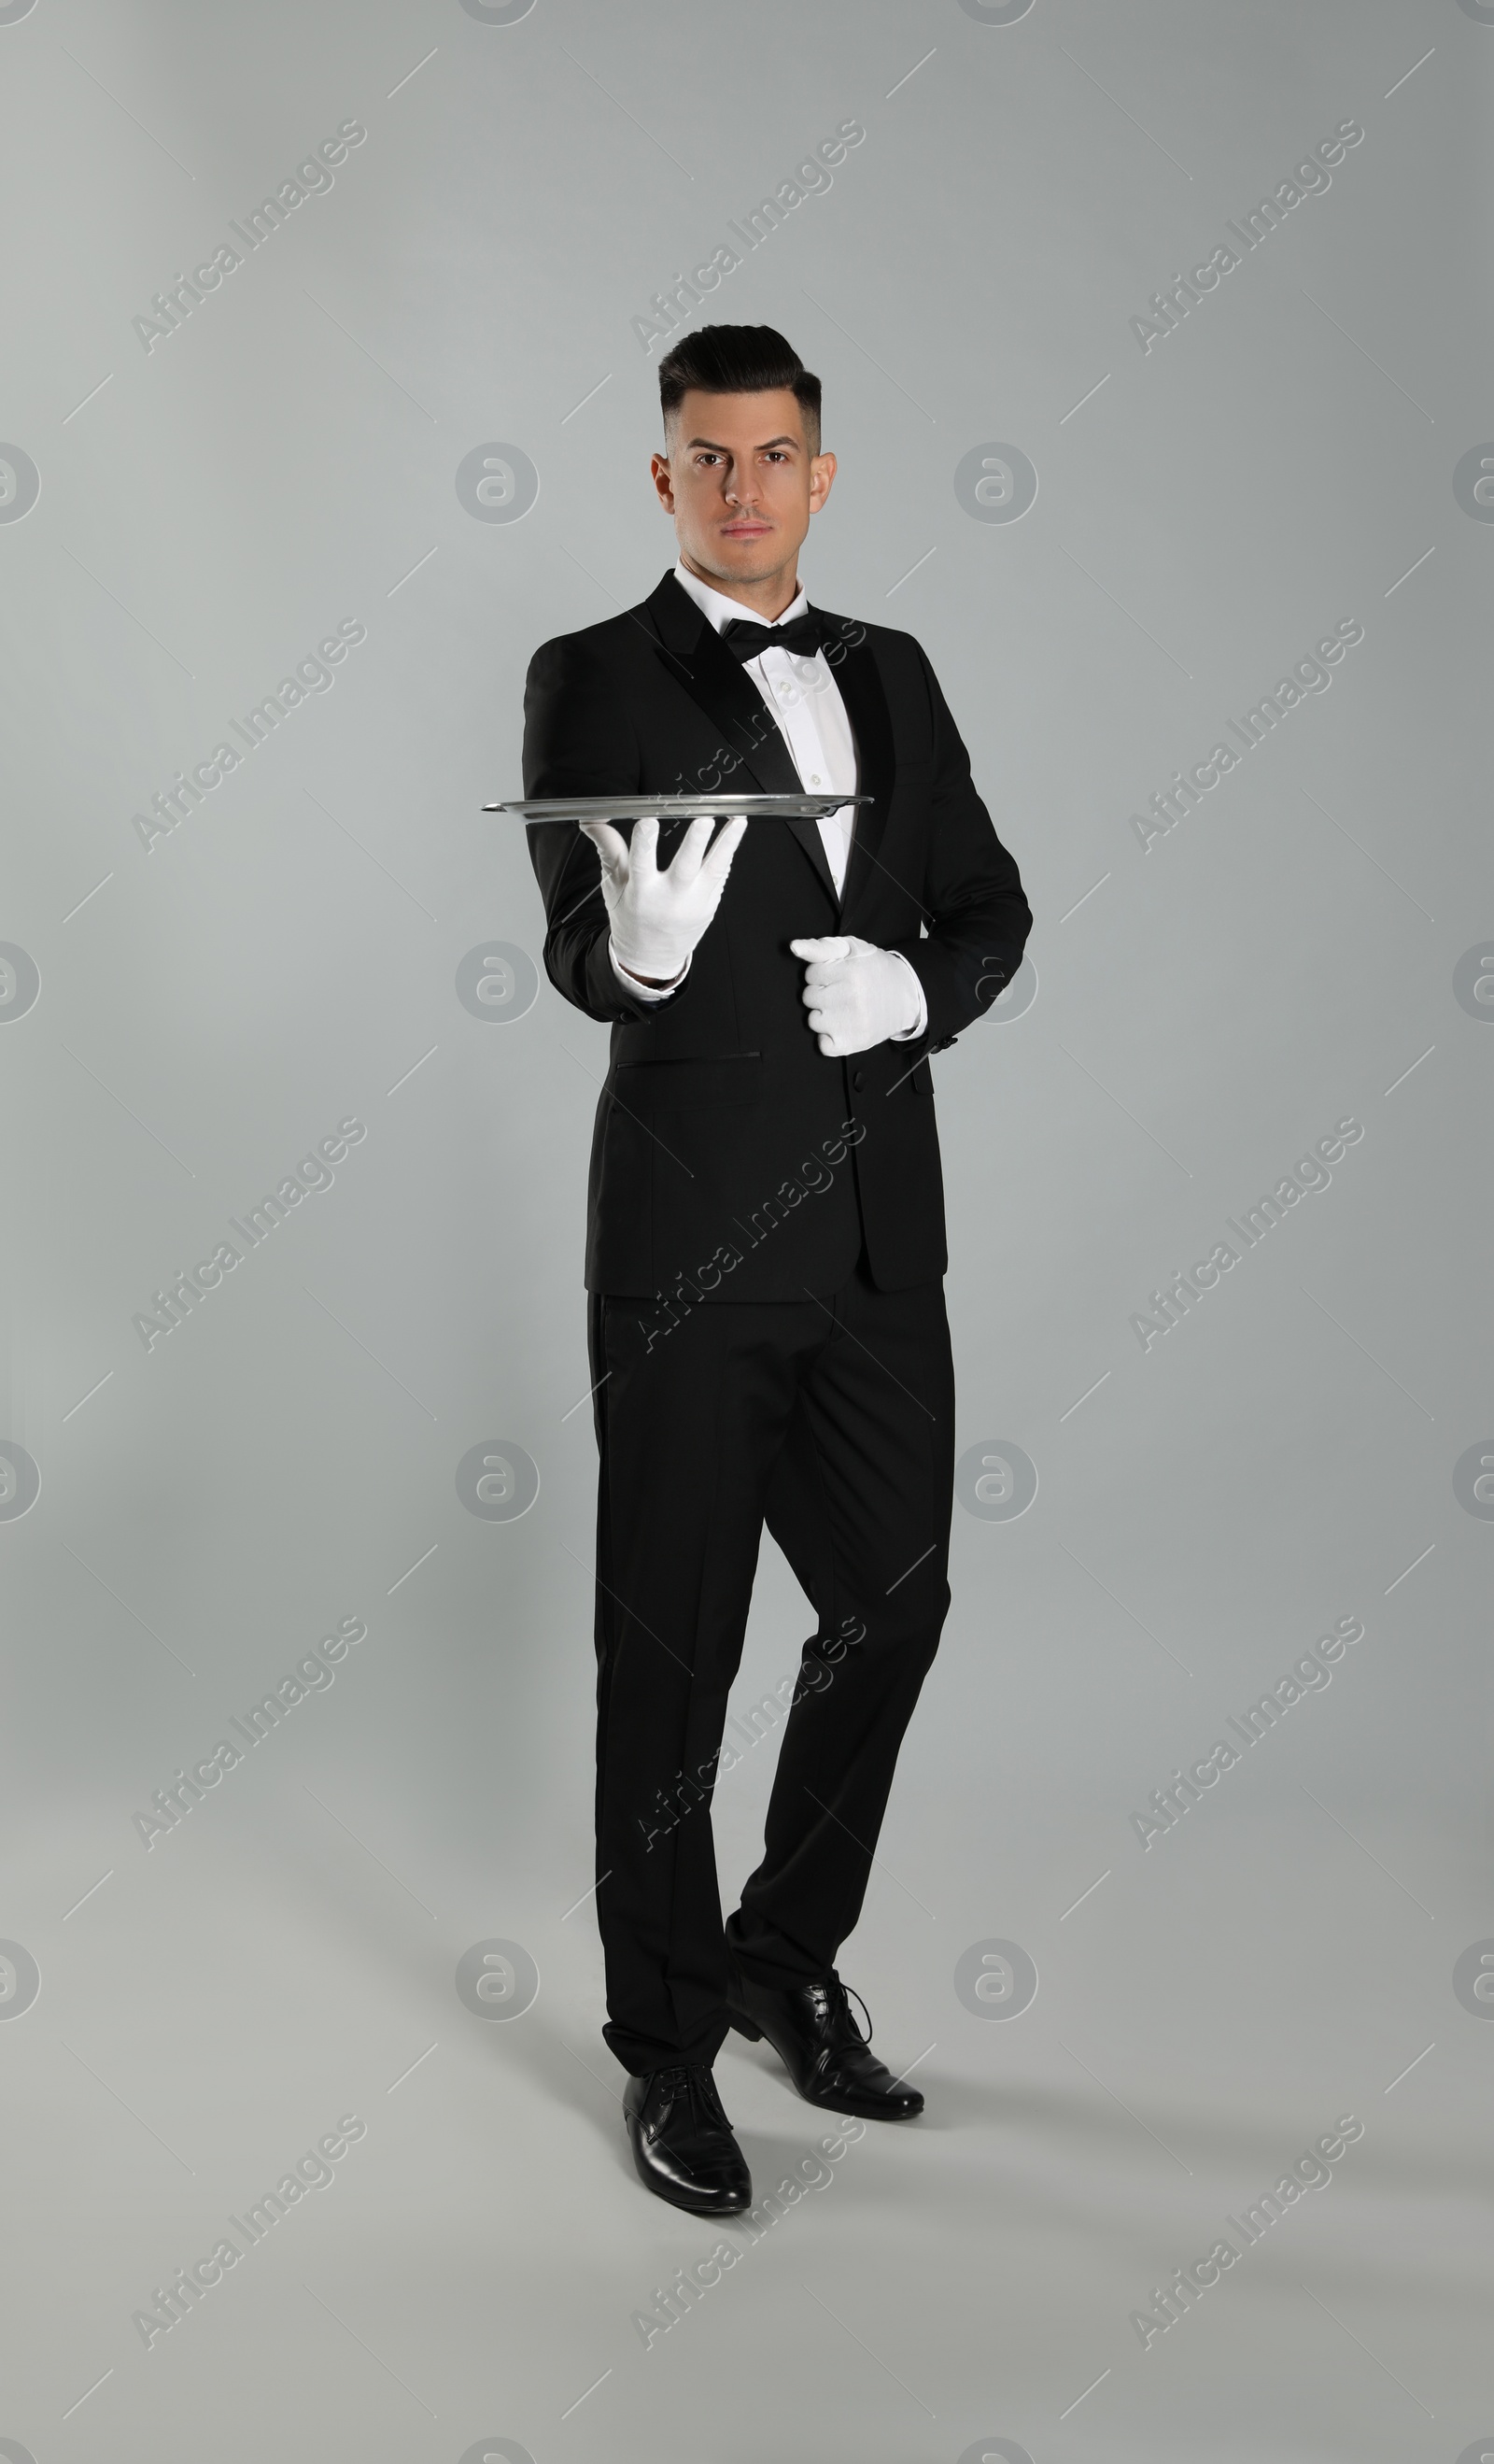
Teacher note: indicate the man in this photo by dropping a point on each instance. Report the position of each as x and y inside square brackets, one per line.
[765, 1242]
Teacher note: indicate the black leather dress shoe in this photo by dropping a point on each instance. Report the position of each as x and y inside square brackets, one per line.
[682, 2141]
[811, 2029]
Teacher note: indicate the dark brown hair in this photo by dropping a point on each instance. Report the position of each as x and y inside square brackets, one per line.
[738, 359]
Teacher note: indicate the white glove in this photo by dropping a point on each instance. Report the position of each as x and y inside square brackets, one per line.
[658, 917]
[856, 994]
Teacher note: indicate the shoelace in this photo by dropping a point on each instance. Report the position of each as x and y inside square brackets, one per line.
[837, 1993]
[697, 2086]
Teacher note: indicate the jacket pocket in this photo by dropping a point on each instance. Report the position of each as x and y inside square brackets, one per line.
[727, 1082]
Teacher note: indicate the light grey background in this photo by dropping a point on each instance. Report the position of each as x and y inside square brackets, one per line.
[1207, 510]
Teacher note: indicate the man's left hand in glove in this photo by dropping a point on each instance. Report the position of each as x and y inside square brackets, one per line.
[858, 994]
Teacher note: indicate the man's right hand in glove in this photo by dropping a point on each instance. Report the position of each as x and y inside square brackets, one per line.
[658, 917]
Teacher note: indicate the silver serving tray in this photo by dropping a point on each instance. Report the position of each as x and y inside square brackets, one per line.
[646, 809]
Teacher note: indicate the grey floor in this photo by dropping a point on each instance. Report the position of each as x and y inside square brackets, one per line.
[190, 2014]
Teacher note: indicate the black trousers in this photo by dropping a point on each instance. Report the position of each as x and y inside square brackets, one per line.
[832, 1419]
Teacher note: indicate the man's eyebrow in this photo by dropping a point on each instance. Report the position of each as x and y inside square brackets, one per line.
[710, 443]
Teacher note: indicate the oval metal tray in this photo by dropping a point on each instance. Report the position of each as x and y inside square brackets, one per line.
[643, 808]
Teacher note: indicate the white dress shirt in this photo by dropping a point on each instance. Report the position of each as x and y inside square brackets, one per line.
[805, 700]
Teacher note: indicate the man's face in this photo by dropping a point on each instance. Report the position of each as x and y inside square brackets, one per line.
[741, 483]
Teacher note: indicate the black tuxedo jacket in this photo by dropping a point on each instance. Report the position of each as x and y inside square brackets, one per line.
[731, 1160]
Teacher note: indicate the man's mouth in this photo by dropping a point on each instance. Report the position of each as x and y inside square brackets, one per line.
[745, 530]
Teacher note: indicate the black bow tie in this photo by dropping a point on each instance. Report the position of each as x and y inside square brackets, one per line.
[803, 634]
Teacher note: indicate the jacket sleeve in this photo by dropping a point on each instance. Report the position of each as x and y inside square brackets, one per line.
[975, 915]
[578, 740]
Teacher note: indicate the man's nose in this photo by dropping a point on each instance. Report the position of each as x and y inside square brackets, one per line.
[741, 486]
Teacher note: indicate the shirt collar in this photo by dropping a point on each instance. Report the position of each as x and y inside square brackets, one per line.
[719, 610]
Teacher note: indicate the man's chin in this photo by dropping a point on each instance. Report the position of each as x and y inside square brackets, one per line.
[748, 559]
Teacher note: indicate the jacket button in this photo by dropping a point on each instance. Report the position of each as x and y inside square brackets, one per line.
[858, 1079]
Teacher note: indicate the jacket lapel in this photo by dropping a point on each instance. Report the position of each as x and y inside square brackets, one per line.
[852, 663]
[693, 652]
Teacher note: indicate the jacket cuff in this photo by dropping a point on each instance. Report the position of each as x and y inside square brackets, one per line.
[945, 1014]
[647, 993]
